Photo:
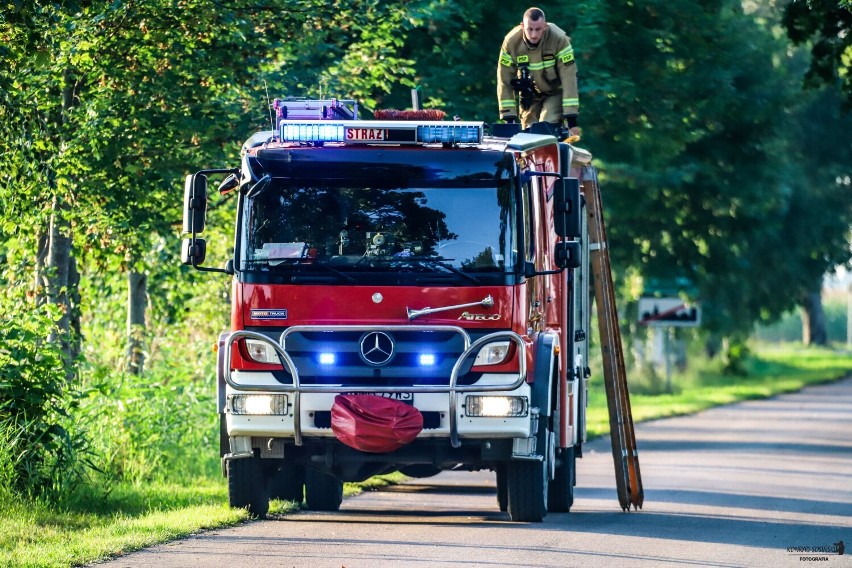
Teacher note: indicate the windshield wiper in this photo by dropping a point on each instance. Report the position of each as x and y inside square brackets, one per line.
[335, 271]
[298, 262]
[442, 262]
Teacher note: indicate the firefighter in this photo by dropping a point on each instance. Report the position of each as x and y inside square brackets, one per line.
[537, 63]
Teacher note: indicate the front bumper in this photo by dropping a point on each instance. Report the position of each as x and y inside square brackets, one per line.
[314, 409]
[303, 415]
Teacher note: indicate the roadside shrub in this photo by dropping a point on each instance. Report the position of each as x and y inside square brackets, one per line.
[734, 359]
[43, 453]
[160, 425]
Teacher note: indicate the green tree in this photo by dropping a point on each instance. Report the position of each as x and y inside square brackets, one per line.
[153, 89]
[827, 26]
[106, 106]
[687, 99]
[816, 231]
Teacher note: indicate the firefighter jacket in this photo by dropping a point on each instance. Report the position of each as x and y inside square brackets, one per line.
[551, 66]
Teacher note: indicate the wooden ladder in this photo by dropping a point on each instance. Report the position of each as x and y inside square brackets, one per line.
[624, 453]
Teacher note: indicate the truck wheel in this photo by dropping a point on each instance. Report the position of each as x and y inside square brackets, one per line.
[561, 493]
[322, 491]
[288, 483]
[528, 488]
[502, 486]
[246, 487]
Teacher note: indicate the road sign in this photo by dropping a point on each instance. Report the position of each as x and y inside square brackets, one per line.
[668, 312]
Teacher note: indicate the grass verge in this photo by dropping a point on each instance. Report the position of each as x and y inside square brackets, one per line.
[773, 371]
[98, 526]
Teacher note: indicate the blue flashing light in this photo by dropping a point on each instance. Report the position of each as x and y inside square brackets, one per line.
[426, 359]
[380, 132]
[449, 134]
[327, 358]
[311, 132]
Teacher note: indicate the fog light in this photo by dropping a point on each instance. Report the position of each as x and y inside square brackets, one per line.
[258, 404]
[496, 406]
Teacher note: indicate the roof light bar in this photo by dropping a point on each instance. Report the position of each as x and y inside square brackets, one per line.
[450, 134]
[381, 132]
[311, 132]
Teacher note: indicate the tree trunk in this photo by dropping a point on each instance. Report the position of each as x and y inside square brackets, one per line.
[61, 276]
[75, 310]
[40, 280]
[137, 302]
[814, 330]
[58, 263]
[712, 346]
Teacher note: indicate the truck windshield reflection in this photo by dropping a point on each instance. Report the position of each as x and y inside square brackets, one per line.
[346, 230]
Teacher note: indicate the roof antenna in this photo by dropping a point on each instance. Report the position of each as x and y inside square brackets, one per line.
[269, 106]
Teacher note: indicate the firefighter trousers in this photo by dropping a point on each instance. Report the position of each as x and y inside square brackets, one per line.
[544, 108]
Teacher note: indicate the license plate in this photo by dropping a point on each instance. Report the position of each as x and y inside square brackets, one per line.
[406, 397]
[365, 135]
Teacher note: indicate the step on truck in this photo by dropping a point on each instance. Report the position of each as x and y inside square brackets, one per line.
[408, 295]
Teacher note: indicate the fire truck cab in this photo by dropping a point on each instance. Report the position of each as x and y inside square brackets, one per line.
[408, 296]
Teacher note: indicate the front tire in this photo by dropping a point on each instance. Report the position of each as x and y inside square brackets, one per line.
[528, 482]
[322, 491]
[561, 491]
[246, 486]
[502, 486]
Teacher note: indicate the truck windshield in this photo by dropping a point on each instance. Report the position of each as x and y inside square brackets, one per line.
[338, 231]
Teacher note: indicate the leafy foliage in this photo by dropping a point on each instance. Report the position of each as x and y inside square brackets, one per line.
[827, 25]
[105, 107]
[42, 452]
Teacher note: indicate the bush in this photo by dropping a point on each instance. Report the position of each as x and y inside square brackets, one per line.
[42, 453]
[735, 357]
[161, 425]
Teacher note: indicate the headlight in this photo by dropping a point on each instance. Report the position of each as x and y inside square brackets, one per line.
[496, 406]
[493, 353]
[262, 352]
[258, 404]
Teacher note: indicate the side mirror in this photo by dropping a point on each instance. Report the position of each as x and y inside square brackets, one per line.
[259, 187]
[568, 254]
[567, 208]
[194, 203]
[229, 184]
[193, 251]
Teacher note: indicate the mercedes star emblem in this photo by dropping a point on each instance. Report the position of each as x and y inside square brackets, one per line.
[376, 348]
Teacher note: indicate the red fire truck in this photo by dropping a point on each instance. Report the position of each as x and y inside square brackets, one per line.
[408, 296]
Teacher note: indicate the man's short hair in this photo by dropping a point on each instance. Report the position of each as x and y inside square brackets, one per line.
[534, 14]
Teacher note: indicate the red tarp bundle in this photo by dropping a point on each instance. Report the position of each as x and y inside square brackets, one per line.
[373, 423]
[423, 114]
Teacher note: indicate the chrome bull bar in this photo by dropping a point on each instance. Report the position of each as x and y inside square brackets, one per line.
[470, 349]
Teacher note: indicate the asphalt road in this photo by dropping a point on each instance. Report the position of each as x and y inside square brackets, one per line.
[740, 485]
